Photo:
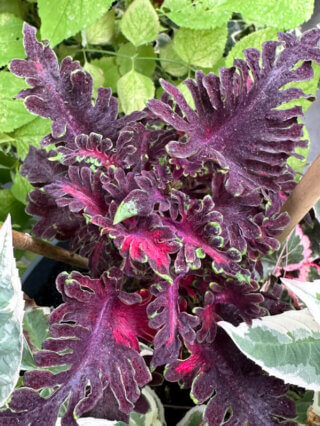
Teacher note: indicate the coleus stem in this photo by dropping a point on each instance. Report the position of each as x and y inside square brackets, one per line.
[24, 241]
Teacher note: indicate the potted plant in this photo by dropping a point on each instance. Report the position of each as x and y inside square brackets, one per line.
[180, 218]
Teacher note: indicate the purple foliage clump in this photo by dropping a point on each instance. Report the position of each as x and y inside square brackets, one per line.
[174, 207]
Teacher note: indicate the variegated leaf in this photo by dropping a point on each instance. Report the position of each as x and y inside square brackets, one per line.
[286, 346]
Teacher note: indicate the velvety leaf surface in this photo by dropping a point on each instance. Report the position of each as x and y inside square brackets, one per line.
[145, 241]
[254, 398]
[165, 314]
[80, 191]
[95, 332]
[223, 106]
[63, 93]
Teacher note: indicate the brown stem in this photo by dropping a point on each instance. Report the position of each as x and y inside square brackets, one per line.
[303, 197]
[26, 242]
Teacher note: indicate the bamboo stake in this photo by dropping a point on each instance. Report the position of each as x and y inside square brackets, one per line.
[26, 242]
[303, 197]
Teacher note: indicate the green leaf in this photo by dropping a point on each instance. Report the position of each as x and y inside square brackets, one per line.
[97, 75]
[309, 87]
[30, 134]
[12, 6]
[13, 111]
[197, 14]
[200, 47]
[295, 163]
[302, 405]
[134, 90]
[27, 362]
[206, 14]
[280, 14]
[36, 327]
[9, 204]
[194, 416]
[102, 30]
[10, 38]
[110, 71]
[186, 93]
[124, 211]
[61, 19]
[140, 23]
[254, 39]
[20, 188]
[11, 315]
[308, 292]
[286, 346]
[144, 66]
[176, 67]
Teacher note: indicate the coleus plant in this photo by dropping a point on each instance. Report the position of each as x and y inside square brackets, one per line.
[174, 207]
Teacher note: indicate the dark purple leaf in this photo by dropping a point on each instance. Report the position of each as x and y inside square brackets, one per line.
[55, 221]
[165, 314]
[90, 150]
[95, 332]
[219, 370]
[39, 169]
[65, 94]
[81, 190]
[218, 129]
[145, 240]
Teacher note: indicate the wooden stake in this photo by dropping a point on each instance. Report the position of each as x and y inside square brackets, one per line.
[303, 197]
[23, 241]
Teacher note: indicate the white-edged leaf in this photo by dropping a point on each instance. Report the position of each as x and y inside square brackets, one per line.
[11, 315]
[134, 90]
[308, 292]
[286, 346]
[193, 417]
[154, 416]
[140, 22]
